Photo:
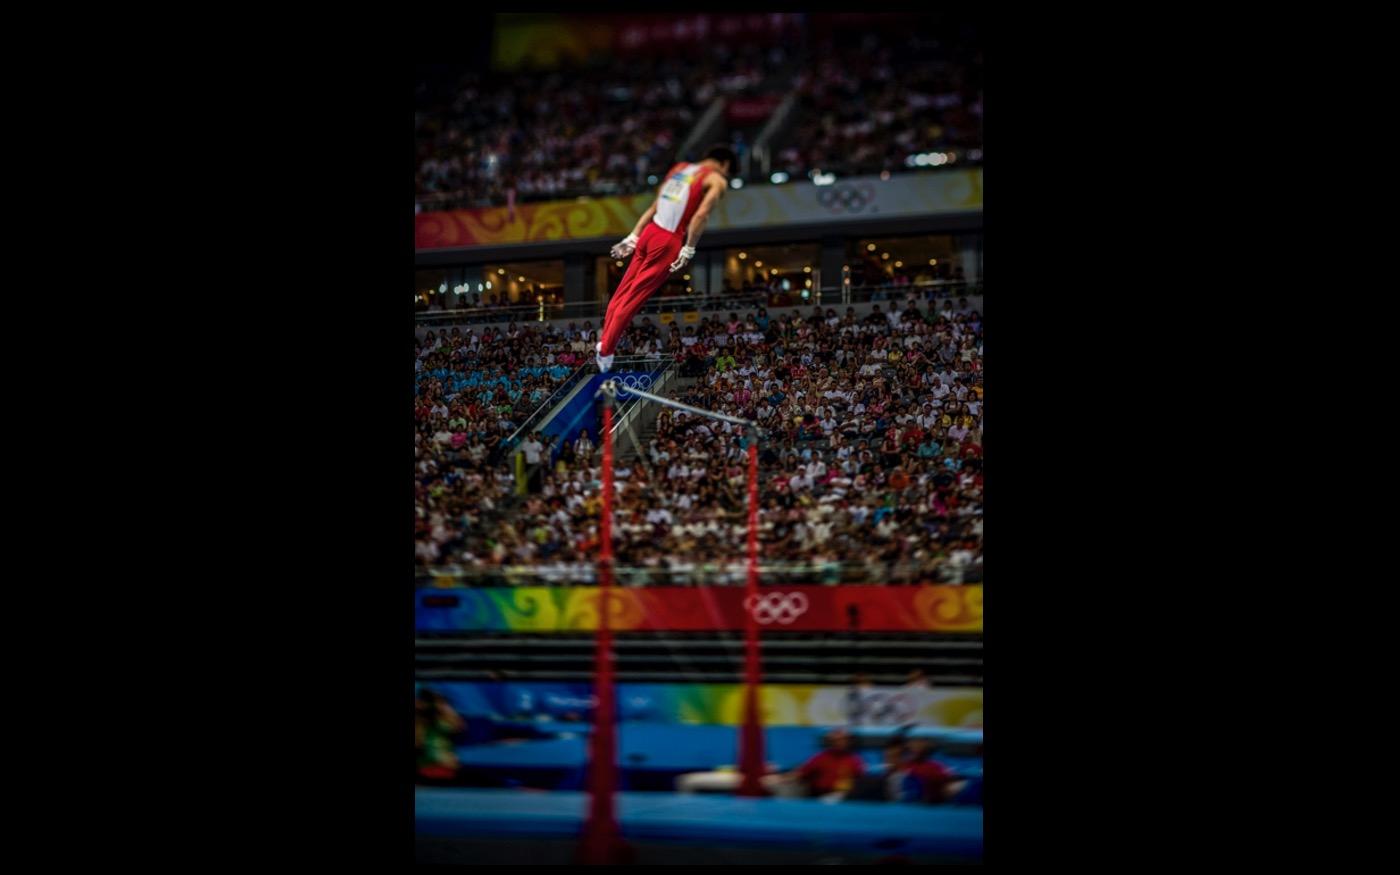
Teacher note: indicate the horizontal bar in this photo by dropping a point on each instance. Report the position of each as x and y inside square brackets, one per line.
[737, 299]
[680, 405]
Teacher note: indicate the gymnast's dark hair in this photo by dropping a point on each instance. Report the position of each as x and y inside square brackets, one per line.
[723, 153]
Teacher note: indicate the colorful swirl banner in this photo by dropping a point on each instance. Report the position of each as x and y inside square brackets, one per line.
[676, 609]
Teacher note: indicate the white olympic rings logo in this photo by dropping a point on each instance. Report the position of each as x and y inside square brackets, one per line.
[633, 381]
[783, 608]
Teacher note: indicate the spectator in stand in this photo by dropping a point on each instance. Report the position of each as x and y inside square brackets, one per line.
[936, 783]
[435, 726]
[834, 770]
[894, 781]
[583, 447]
[533, 450]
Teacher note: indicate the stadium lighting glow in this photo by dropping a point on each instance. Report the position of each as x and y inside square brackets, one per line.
[933, 262]
[686, 277]
[488, 284]
[807, 269]
[899, 264]
[870, 247]
[743, 255]
[773, 272]
[501, 271]
[443, 287]
[824, 179]
[927, 159]
[619, 264]
[522, 279]
[736, 182]
[478, 287]
[778, 178]
[758, 264]
[885, 256]
[809, 284]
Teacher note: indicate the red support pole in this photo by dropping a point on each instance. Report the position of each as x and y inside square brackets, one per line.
[602, 843]
[751, 761]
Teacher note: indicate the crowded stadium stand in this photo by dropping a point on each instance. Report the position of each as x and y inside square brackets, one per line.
[875, 448]
[795, 98]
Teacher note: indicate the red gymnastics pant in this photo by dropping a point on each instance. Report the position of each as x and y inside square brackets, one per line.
[657, 248]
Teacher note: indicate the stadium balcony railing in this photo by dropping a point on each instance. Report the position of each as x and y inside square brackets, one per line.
[964, 155]
[538, 416]
[661, 364]
[826, 296]
[708, 574]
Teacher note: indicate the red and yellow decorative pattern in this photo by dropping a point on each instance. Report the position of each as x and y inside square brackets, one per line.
[530, 223]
